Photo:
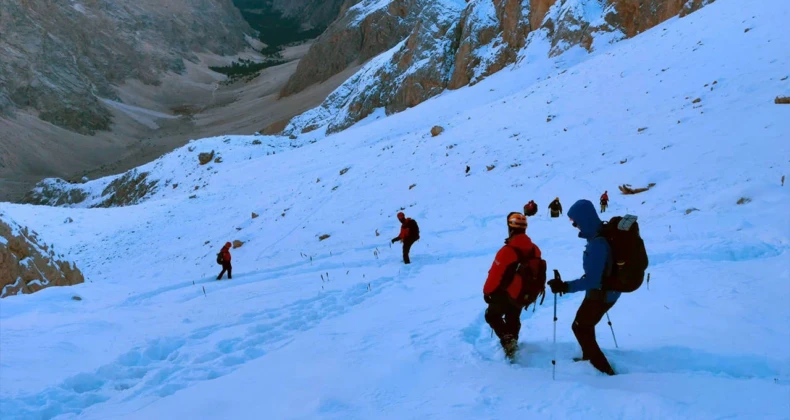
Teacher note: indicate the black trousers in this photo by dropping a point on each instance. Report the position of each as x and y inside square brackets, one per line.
[406, 248]
[555, 213]
[504, 317]
[588, 316]
[226, 267]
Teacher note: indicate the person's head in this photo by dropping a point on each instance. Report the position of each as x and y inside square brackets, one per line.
[584, 217]
[606, 192]
[227, 245]
[516, 224]
[556, 199]
[401, 216]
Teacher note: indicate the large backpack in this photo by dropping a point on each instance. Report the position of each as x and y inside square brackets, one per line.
[414, 229]
[629, 257]
[220, 258]
[532, 271]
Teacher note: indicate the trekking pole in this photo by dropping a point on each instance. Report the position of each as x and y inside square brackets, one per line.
[612, 328]
[554, 357]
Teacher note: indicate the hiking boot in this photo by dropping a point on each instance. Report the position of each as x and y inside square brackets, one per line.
[510, 345]
[603, 366]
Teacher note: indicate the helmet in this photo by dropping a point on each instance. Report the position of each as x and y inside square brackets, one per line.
[401, 215]
[516, 220]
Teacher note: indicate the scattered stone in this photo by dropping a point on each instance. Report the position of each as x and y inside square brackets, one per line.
[627, 190]
[691, 210]
[193, 196]
[436, 130]
[205, 158]
[238, 228]
[75, 297]
[412, 186]
[254, 215]
[218, 159]
[237, 244]
[324, 236]
[175, 186]
[641, 129]
[696, 101]
[256, 142]
[744, 200]
[490, 168]
[344, 170]
[68, 220]
[782, 100]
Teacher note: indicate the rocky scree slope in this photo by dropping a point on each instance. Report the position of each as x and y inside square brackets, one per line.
[27, 264]
[424, 47]
[59, 59]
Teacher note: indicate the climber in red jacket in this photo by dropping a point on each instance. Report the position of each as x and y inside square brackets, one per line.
[225, 253]
[409, 234]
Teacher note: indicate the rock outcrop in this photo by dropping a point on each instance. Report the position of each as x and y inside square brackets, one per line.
[27, 265]
[61, 58]
[451, 44]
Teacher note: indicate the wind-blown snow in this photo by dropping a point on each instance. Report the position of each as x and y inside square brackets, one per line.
[339, 328]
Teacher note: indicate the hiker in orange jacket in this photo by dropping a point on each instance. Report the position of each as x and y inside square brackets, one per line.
[225, 252]
[506, 290]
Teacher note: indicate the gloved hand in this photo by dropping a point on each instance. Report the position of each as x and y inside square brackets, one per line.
[558, 286]
[394, 240]
[487, 298]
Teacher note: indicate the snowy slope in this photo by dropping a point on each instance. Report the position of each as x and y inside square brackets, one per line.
[341, 329]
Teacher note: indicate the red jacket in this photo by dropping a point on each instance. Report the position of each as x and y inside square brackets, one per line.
[504, 258]
[605, 197]
[226, 252]
[406, 230]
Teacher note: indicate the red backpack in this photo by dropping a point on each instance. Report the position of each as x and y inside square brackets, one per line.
[532, 271]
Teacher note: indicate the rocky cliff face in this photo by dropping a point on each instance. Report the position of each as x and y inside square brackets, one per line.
[27, 265]
[59, 58]
[452, 43]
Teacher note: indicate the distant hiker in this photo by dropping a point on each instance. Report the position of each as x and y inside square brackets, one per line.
[223, 258]
[614, 261]
[604, 201]
[530, 209]
[409, 234]
[556, 208]
[516, 279]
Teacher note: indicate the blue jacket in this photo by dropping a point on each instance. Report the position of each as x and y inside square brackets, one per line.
[597, 256]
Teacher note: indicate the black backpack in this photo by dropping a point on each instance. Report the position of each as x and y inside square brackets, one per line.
[220, 258]
[629, 257]
[532, 271]
[414, 229]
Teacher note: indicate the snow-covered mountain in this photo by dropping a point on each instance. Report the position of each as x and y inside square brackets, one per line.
[322, 320]
[436, 45]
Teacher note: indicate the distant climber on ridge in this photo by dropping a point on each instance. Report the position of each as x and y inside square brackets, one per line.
[530, 209]
[604, 201]
[556, 208]
[409, 234]
[223, 258]
[516, 279]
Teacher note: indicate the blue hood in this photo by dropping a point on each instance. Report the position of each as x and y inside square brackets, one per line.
[586, 218]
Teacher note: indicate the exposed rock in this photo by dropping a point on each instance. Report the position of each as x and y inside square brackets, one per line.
[691, 210]
[696, 101]
[451, 45]
[744, 200]
[628, 190]
[324, 236]
[436, 130]
[55, 192]
[254, 215]
[782, 100]
[62, 58]
[237, 244]
[28, 265]
[205, 158]
[366, 29]
[128, 189]
[77, 298]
